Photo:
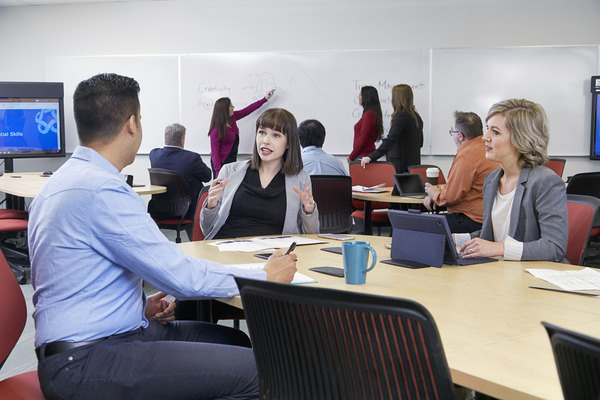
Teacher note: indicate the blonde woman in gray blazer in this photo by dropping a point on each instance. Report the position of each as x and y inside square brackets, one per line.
[276, 151]
[524, 203]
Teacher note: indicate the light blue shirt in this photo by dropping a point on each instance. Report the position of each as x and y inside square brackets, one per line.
[317, 162]
[92, 242]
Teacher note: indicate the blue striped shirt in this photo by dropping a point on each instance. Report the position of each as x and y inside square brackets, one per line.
[92, 243]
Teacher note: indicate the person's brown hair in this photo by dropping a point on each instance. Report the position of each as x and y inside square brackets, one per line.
[283, 121]
[220, 117]
[403, 100]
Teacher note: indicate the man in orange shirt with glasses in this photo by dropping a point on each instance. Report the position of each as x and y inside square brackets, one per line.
[462, 195]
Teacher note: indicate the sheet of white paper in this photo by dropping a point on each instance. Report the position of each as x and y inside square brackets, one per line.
[585, 279]
[246, 245]
[298, 277]
[263, 243]
[285, 241]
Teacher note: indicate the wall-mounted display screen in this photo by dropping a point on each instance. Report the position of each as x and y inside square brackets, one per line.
[31, 120]
[30, 126]
[595, 134]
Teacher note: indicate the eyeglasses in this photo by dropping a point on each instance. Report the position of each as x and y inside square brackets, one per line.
[452, 132]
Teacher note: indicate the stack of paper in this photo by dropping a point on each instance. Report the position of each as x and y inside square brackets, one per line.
[584, 279]
[369, 189]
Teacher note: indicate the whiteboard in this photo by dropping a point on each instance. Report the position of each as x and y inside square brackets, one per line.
[325, 85]
[311, 85]
[558, 78]
[158, 77]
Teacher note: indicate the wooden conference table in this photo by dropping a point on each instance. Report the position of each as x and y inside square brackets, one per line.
[384, 197]
[28, 184]
[487, 316]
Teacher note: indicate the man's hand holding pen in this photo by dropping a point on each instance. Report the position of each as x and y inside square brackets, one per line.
[281, 268]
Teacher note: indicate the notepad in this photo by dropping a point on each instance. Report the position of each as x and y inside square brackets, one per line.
[298, 277]
[263, 243]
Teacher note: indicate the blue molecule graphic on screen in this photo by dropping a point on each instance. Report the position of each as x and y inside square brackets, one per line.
[46, 123]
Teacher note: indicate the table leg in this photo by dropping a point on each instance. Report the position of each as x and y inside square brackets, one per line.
[368, 228]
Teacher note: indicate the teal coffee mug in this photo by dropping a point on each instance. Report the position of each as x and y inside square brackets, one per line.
[356, 256]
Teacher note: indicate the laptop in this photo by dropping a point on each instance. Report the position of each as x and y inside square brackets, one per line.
[424, 240]
[409, 185]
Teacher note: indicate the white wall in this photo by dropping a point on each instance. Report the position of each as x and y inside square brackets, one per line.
[30, 34]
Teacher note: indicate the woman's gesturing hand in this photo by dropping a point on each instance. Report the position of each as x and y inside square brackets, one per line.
[307, 199]
[215, 192]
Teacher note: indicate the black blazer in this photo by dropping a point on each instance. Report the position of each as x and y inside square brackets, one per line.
[402, 146]
[187, 163]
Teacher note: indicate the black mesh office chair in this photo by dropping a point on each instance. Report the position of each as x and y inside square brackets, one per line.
[333, 195]
[314, 343]
[168, 209]
[577, 359]
[588, 184]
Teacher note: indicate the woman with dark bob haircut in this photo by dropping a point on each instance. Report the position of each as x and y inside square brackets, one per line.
[524, 203]
[270, 194]
[369, 127]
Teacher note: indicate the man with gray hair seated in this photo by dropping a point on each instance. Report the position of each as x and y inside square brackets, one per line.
[188, 163]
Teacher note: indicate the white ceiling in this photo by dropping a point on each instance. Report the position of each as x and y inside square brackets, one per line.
[13, 3]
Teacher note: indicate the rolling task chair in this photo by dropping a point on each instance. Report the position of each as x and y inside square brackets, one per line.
[197, 233]
[333, 194]
[13, 242]
[583, 212]
[168, 209]
[577, 360]
[314, 343]
[24, 386]
[206, 310]
[588, 184]
[557, 165]
[373, 174]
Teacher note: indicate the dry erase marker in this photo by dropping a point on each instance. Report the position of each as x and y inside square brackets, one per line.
[292, 247]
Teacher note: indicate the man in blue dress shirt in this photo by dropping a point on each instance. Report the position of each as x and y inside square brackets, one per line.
[316, 161]
[91, 245]
[188, 163]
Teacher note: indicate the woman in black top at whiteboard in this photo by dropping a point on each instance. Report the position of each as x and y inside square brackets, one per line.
[402, 146]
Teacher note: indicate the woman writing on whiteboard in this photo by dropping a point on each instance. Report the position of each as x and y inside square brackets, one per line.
[524, 203]
[224, 133]
[402, 146]
[268, 195]
[369, 128]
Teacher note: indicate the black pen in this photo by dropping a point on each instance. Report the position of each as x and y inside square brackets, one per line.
[290, 249]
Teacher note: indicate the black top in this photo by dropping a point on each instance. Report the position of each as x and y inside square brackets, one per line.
[256, 211]
[402, 146]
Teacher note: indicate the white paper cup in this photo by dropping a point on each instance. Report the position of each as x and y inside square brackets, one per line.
[433, 175]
